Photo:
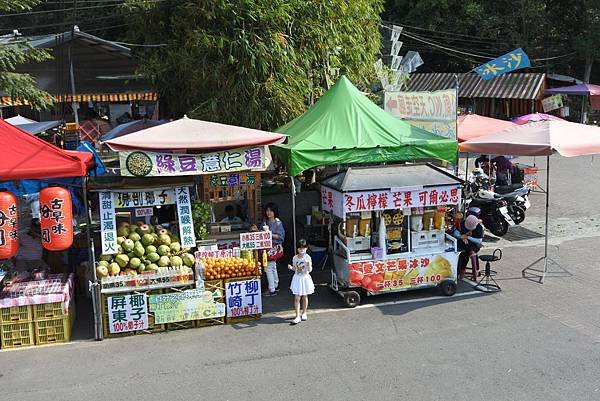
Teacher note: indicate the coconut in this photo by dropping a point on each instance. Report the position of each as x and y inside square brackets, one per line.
[120, 240]
[140, 223]
[147, 239]
[164, 239]
[142, 268]
[135, 263]
[114, 269]
[135, 237]
[123, 231]
[153, 257]
[150, 249]
[144, 229]
[164, 261]
[102, 270]
[103, 263]
[139, 251]
[163, 250]
[106, 258]
[146, 262]
[189, 259]
[152, 267]
[128, 245]
[176, 261]
[163, 231]
[130, 255]
[122, 260]
[120, 249]
[175, 247]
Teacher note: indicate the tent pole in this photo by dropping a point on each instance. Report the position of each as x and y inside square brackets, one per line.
[293, 212]
[91, 261]
[547, 209]
[456, 125]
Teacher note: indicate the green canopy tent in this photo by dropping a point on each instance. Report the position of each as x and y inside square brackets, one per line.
[345, 127]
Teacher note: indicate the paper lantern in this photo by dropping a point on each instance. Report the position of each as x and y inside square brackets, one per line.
[56, 218]
[9, 225]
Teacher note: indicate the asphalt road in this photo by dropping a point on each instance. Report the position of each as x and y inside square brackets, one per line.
[530, 342]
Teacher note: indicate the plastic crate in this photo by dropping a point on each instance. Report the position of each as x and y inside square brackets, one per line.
[16, 314]
[52, 331]
[54, 310]
[15, 335]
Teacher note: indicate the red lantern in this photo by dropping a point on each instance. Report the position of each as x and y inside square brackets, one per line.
[56, 218]
[9, 225]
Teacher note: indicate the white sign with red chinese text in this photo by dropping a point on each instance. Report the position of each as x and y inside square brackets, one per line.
[127, 313]
[256, 240]
[403, 273]
[220, 253]
[144, 212]
[388, 199]
[150, 164]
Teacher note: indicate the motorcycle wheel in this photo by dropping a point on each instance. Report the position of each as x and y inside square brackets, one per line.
[499, 227]
[518, 214]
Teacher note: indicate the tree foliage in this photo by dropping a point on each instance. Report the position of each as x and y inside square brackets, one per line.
[18, 51]
[544, 28]
[255, 63]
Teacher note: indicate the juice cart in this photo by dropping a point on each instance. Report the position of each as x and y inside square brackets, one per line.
[389, 230]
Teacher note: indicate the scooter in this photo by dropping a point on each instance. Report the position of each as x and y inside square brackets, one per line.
[494, 212]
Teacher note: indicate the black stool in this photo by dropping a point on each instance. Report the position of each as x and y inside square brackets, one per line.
[487, 283]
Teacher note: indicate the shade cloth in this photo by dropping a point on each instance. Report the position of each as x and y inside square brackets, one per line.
[187, 133]
[36, 128]
[16, 120]
[472, 126]
[539, 139]
[56, 288]
[130, 128]
[26, 156]
[580, 90]
[345, 127]
[530, 118]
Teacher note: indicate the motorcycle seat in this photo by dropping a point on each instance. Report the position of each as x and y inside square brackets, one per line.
[505, 189]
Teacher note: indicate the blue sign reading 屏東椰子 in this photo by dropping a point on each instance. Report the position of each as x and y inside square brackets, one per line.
[512, 61]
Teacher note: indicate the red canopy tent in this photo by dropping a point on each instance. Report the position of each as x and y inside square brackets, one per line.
[471, 126]
[25, 156]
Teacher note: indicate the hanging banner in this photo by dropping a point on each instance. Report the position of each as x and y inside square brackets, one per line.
[186, 305]
[150, 164]
[403, 273]
[127, 313]
[184, 211]
[9, 225]
[144, 198]
[512, 61]
[432, 111]
[389, 199]
[243, 298]
[552, 103]
[108, 223]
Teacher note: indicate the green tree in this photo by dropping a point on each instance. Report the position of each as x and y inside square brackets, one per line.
[18, 51]
[255, 63]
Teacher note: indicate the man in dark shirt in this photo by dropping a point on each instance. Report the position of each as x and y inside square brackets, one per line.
[470, 237]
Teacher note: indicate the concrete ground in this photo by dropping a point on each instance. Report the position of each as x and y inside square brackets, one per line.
[531, 341]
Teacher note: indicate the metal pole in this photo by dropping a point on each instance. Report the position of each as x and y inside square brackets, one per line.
[547, 207]
[293, 212]
[72, 74]
[98, 335]
[582, 108]
[456, 124]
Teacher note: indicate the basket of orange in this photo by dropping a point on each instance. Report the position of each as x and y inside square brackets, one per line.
[221, 268]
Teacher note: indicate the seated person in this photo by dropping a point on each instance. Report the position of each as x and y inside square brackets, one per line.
[230, 216]
[470, 236]
[31, 253]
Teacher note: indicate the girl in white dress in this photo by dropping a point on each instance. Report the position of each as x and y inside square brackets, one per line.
[302, 284]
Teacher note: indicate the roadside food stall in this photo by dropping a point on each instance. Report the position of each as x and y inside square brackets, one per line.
[159, 268]
[36, 307]
[389, 229]
[343, 128]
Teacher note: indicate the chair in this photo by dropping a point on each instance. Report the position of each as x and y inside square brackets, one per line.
[487, 283]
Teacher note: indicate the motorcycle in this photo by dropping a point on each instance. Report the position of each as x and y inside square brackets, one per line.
[493, 212]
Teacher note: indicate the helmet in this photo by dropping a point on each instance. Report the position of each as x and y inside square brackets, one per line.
[474, 211]
[483, 194]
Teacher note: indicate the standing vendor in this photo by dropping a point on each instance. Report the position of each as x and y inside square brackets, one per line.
[230, 216]
[273, 224]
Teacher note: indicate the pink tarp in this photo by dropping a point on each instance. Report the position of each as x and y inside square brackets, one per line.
[187, 133]
[539, 139]
[471, 126]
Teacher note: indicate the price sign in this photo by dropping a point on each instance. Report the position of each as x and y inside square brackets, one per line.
[256, 240]
[144, 211]
[127, 313]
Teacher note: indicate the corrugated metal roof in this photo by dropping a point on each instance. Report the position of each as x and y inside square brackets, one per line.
[527, 86]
